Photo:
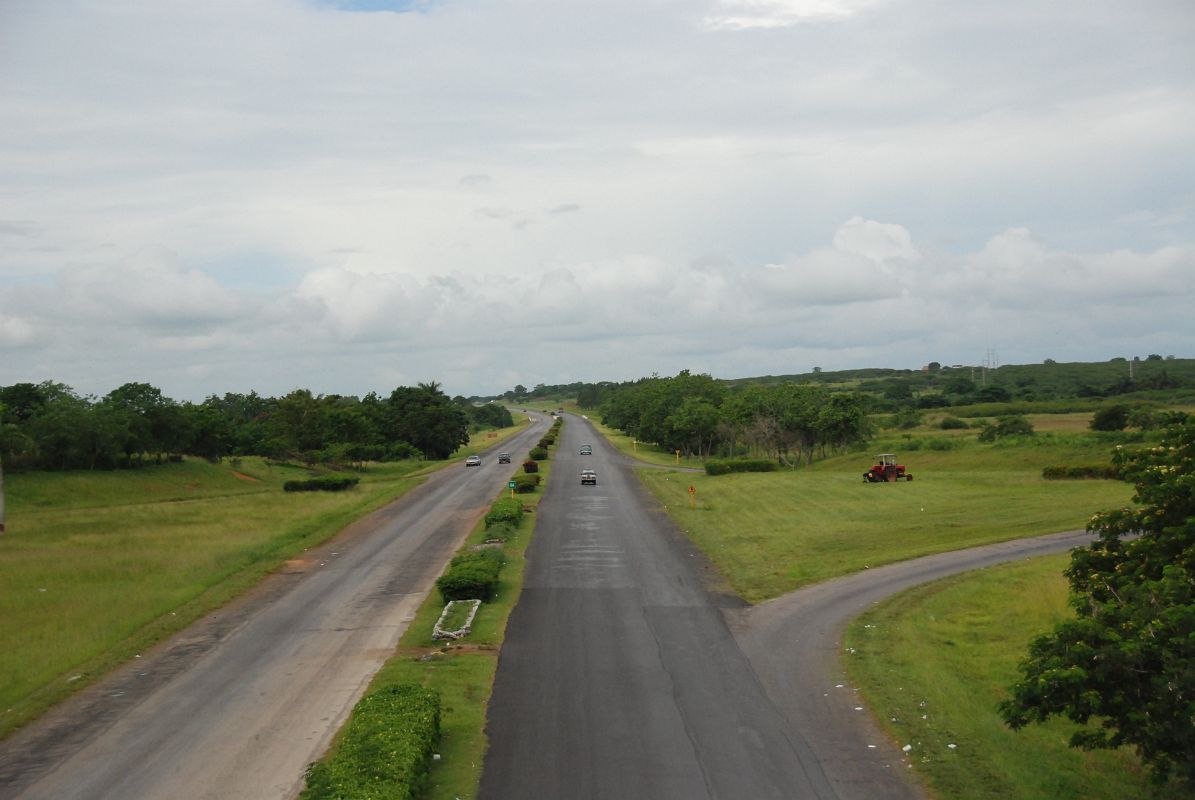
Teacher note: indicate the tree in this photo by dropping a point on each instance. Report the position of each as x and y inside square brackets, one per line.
[1124, 667]
[426, 418]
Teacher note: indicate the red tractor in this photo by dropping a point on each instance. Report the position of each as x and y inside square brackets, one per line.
[886, 470]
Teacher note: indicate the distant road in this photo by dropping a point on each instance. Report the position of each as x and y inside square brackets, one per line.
[238, 705]
[622, 677]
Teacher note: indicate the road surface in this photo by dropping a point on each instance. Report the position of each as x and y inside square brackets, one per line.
[238, 705]
[621, 676]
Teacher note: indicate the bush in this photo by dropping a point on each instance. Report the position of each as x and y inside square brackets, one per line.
[1057, 472]
[1112, 418]
[506, 510]
[953, 424]
[500, 532]
[1010, 425]
[547, 442]
[320, 485]
[739, 465]
[538, 454]
[386, 749]
[471, 576]
[530, 466]
[526, 483]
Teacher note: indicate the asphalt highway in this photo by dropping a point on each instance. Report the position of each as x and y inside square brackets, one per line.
[622, 676]
[238, 705]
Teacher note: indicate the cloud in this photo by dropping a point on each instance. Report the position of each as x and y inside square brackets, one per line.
[763, 14]
[760, 181]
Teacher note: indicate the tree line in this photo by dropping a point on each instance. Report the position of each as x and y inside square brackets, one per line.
[701, 416]
[50, 426]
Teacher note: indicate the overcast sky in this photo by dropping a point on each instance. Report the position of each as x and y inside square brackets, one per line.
[236, 195]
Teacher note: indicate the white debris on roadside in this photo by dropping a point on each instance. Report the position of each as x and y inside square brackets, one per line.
[907, 747]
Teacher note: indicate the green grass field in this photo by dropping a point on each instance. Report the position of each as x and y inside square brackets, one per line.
[933, 663]
[98, 566]
[770, 533]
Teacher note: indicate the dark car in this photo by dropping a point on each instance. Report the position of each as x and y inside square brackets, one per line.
[504, 458]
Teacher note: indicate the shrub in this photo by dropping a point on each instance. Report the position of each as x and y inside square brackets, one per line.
[538, 454]
[500, 532]
[320, 485]
[942, 443]
[471, 576]
[547, 442]
[386, 749]
[530, 466]
[526, 483]
[739, 465]
[507, 509]
[953, 424]
[1057, 472]
[1010, 425]
[1112, 418]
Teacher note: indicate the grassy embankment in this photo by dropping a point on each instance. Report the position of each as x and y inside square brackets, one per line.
[934, 662]
[463, 671]
[98, 566]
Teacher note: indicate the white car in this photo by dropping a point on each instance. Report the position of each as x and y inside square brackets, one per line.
[588, 476]
[473, 461]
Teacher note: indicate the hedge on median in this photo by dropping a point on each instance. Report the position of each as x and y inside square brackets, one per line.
[472, 576]
[386, 748]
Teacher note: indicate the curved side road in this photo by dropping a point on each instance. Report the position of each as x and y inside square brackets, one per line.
[794, 645]
[237, 705]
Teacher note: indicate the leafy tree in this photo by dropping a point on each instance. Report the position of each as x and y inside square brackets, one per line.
[426, 418]
[1124, 667]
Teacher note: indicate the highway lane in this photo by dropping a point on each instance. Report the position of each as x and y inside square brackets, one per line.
[238, 705]
[622, 677]
[619, 677]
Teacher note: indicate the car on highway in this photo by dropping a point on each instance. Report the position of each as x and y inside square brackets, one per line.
[588, 476]
[586, 449]
[504, 458]
[473, 461]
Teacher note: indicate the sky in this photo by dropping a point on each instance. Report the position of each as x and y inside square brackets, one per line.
[350, 196]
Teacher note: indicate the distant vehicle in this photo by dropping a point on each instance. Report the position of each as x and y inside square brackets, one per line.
[504, 458]
[886, 470]
[586, 449]
[473, 461]
[588, 476]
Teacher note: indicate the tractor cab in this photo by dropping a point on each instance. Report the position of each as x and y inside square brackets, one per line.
[886, 470]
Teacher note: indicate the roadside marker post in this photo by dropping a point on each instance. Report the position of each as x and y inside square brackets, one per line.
[692, 497]
[511, 485]
[678, 456]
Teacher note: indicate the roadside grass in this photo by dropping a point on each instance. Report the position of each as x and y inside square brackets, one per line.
[771, 533]
[99, 566]
[642, 451]
[933, 662]
[463, 671]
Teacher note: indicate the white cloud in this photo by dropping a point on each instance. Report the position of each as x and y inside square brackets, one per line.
[357, 196]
